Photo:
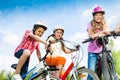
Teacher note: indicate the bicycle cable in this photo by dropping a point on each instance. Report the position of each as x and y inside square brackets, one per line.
[78, 59]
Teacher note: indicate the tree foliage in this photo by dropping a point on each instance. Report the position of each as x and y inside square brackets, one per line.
[116, 56]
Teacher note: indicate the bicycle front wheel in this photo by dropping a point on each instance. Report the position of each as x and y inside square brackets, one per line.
[84, 74]
[111, 67]
[105, 67]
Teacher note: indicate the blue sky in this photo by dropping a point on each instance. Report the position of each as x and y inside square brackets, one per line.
[18, 15]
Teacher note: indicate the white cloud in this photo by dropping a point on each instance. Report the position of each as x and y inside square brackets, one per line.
[87, 12]
[112, 19]
[117, 43]
[8, 38]
[6, 61]
[79, 36]
[11, 39]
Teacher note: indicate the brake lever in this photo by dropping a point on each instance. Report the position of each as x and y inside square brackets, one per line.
[113, 34]
[78, 46]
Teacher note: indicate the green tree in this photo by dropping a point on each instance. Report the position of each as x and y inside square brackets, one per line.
[3, 75]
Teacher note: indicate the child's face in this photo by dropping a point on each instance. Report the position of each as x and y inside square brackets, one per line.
[39, 31]
[98, 17]
[58, 34]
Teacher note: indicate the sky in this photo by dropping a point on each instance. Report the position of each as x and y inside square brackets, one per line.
[18, 15]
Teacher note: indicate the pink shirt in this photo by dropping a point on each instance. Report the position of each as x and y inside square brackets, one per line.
[28, 43]
[93, 46]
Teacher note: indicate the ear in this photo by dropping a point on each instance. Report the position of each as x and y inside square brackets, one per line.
[33, 30]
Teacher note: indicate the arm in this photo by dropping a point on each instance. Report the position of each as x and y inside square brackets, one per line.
[106, 30]
[37, 38]
[92, 34]
[38, 54]
[66, 50]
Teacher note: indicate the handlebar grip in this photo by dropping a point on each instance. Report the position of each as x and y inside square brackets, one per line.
[77, 46]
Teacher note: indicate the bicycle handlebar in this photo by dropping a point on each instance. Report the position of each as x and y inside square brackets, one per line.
[112, 34]
[47, 51]
[52, 42]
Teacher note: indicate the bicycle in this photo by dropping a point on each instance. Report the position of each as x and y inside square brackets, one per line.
[74, 68]
[32, 73]
[105, 60]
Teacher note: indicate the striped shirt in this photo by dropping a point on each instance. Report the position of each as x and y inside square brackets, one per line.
[28, 43]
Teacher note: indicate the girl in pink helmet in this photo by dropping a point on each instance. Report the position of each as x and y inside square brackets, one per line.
[96, 28]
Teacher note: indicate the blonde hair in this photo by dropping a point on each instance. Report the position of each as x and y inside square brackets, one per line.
[95, 25]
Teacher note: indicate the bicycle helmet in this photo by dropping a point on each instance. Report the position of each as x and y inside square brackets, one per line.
[58, 27]
[40, 24]
[98, 9]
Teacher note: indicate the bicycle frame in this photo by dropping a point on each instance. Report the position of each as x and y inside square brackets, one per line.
[108, 69]
[31, 73]
[75, 69]
[71, 68]
[67, 71]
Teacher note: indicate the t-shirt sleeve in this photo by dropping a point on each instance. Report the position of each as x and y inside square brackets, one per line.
[27, 33]
[88, 26]
[50, 38]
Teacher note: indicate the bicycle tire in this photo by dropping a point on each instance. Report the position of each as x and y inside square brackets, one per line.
[111, 67]
[83, 71]
[105, 65]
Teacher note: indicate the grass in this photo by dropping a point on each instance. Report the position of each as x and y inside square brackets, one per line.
[3, 75]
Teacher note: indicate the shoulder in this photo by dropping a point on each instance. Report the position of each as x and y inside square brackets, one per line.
[51, 38]
[89, 26]
[28, 31]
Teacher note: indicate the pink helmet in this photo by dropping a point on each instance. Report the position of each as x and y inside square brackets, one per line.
[98, 9]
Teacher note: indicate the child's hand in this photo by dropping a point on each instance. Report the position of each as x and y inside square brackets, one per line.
[77, 47]
[52, 41]
[106, 31]
[101, 35]
[46, 45]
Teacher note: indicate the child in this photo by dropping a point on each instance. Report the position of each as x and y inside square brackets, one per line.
[56, 59]
[96, 28]
[29, 43]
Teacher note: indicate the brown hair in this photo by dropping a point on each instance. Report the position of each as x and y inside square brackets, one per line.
[52, 35]
[36, 26]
